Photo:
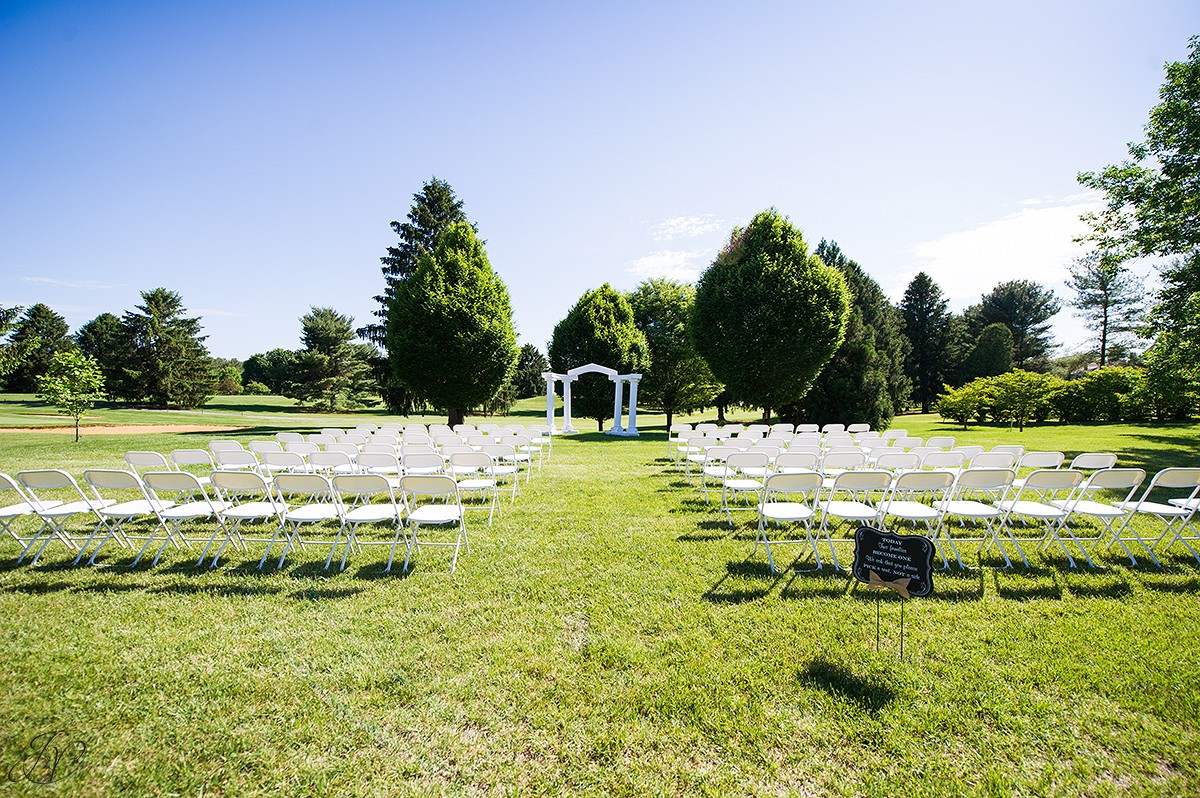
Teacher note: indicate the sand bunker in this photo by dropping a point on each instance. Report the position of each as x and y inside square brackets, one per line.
[128, 429]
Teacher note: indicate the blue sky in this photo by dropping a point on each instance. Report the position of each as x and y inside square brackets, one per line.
[250, 156]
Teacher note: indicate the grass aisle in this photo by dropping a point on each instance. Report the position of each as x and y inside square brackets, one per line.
[607, 635]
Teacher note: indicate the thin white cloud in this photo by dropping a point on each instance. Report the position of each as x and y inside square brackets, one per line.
[685, 227]
[86, 285]
[672, 264]
[1035, 243]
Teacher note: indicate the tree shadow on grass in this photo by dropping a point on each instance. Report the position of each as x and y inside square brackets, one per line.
[839, 681]
[324, 593]
[957, 585]
[735, 588]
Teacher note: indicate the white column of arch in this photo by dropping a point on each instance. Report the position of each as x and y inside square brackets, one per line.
[618, 413]
[631, 429]
[567, 428]
[550, 378]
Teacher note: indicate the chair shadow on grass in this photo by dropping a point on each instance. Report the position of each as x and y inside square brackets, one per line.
[1027, 584]
[731, 589]
[837, 681]
[219, 590]
[38, 588]
[806, 581]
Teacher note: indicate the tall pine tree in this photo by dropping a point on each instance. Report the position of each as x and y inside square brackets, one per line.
[927, 326]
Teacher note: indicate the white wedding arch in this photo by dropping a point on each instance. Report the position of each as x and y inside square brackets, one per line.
[618, 428]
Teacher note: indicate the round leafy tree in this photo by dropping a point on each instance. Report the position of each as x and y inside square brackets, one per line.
[450, 334]
[768, 315]
[600, 330]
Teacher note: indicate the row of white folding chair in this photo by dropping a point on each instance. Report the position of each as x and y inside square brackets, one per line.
[239, 497]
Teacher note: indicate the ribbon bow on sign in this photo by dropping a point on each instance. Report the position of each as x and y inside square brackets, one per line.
[899, 585]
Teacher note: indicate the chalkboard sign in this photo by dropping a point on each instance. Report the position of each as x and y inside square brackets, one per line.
[903, 563]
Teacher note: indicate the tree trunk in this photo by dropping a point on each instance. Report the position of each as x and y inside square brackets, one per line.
[77, 429]
[669, 416]
[457, 415]
[766, 415]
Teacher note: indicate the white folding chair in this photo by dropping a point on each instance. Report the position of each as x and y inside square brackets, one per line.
[789, 498]
[112, 514]
[714, 468]
[940, 442]
[1035, 499]
[853, 497]
[141, 462]
[794, 462]
[196, 461]
[504, 468]
[56, 498]
[282, 463]
[1087, 503]
[225, 446]
[310, 501]
[245, 498]
[432, 501]
[262, 447]
[385, 464]
[191, 503]
[919, 497]
[746, 472]
[523, 452]
[285, 438]
[358, 492]
[1093, 461]
[1176, 514]
[976, 497]
[422, 463]
[236, 460]
[473, 472]
[330, 463]
[11, 513]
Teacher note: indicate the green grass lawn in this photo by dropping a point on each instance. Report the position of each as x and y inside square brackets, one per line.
[607, 635]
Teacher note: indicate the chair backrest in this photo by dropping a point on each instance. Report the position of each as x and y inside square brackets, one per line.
[1170, 478]
[472, 459]
[345, 447]
[416, 438]
[835, 439]
[376, 448]
[301, 447]
[235, 483]
[771, 440]
[288, 437]
[790, 460]
[907, 442]
[379, 462]
[480, 440]
[828, 428]
[333, 432]
[330, 460]
[894, 433]
[282, 460]
[985, 479]
[236, 458]
[939, 459]
[808, 428]
[994, 460]
[174, 482]
[464, 429]
[261, 447]
[805, 483]
[47, 479]
[862, 481]
[1041, 460]
[1015, 449]
[111, 479]
[316, 485]
[855, 429]
[432, 485]
[1053, 479]
[321, 438]
[922, 482]
[7, 483]
[148, 461]
[363, 486]
[717, 454]
[352, 438]
[750, 459]
[783, 427]
[679, 429]
[969, 451]
[451, 449]
[893, 461]
[921, 451]
[383, 439]
[806, 439]
[940, 442]
[751, 434]
[192, 457]
[1115, 479]
[839, 460]
[422, 460]
[225, 446]
[1092, 461]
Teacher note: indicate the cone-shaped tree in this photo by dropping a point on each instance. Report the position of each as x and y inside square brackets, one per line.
[450, 331]
[600, 330]
[40, 334]
[768, 315]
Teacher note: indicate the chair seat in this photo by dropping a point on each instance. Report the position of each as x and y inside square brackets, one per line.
[132, 508]
[911, 510]
[477, 483]
[1092, 508]
[786, 511]
[435, 514]
[192, 510]
[72, 508]
[743, 484]
[311, 513]
[971, 509]
[1192, 504]
[372, 514]
[1033, 509]
[250, 510]
[24, 508]
[850, 510]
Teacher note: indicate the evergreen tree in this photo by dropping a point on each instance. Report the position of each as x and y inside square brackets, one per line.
[1026, 309]
[1108, 296]
[678, 379]
[865, 379]
[598, 329]
[168, 364]
[768, 315]
[434, 209]
[9, 356]
[927, 327]
[992, 354]
[450, 332]
[331, 372]
[531, 364]
[40, 334]
[103, 339]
